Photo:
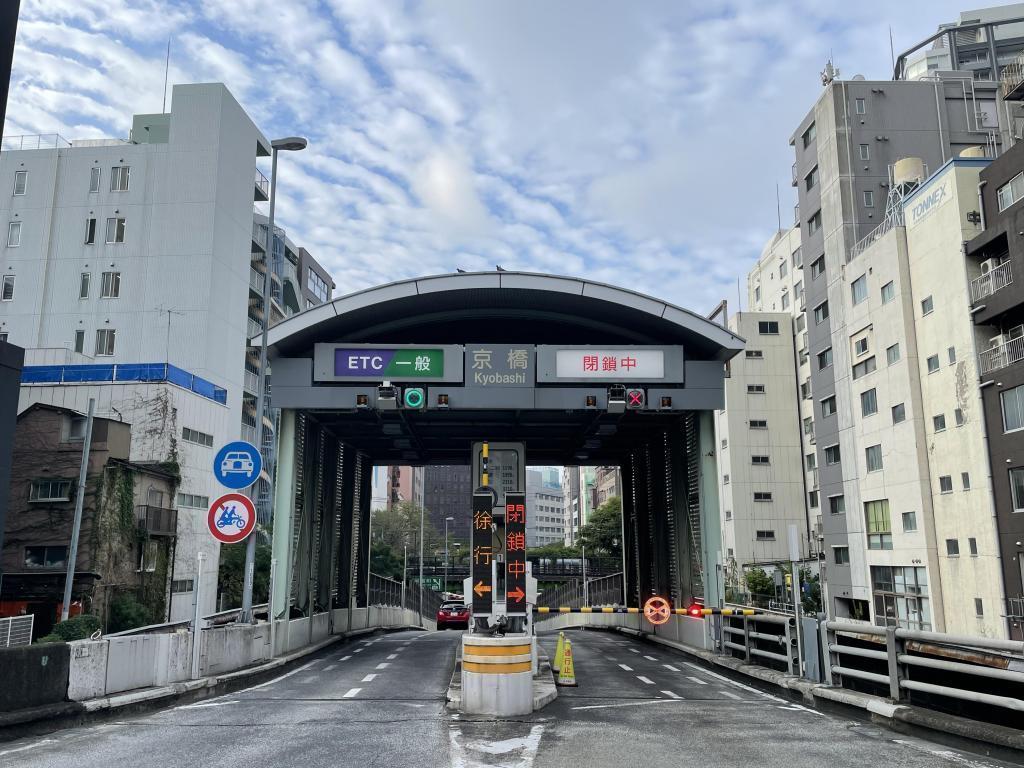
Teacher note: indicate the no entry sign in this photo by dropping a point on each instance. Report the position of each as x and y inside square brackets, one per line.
[232, 517]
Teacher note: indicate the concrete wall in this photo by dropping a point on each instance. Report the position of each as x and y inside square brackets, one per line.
[33, 675]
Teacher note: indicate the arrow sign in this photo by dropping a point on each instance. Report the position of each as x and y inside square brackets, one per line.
[481, 588]
[516, 594]
[515, 553]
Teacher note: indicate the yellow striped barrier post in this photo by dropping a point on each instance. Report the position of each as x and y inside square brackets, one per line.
[559, 649]
[497, 675]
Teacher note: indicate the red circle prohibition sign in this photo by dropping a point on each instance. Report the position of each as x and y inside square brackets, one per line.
[657, 610]
[231, 518]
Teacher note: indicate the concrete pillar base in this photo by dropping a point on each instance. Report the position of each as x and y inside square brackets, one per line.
[497, 675]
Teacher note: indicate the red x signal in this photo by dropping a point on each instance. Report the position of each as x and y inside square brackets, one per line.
[634, 398]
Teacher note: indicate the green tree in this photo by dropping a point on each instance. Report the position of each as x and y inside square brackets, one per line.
[603, 532]
[231, 574]
[760, 585]
[384, 561]
[399, 527]
[553, 550]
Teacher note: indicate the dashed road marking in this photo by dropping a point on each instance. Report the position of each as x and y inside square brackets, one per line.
[26, 747]
[392, 655]
[650, 658]
[610, 658]
[204, 705]
[345, 658]
[725, 679]
[669, 666]
[625, 668]
[672, 694]
[696, 680]
[310, 679]
[643, 679]
[730, 694]
[329, 667]
[382, 665]
[634, 650]
[351, 693]
[369, 678]
[629, 704]
[358, 650]
[278, 679]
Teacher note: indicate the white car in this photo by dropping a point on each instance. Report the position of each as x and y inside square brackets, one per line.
[236, 463]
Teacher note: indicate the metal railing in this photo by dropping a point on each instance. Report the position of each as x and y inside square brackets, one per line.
[431, 600]
[385, 591]
[1013, 75]
[34, 141]
[990, 282]
[891, 222]
[256, 280]
[606, 590]
[253, 328]
[1002, 355]
[262, 184]
[113, 372]
[795, 176]
[763, 639]
[252, 382]
[16, 630]
[157, 521]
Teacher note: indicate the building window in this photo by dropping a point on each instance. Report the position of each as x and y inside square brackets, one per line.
[879, 525]
[105, 342]
[837, 504]
[1010, 192]
[1013, 408]
[927, 306]
[972, 546]
[755, 389]
[888, 292]
[933, 364]
[785, 299]
[828, 406]
[953, 547]
[14, 234]
[759, 460]
[812, 461]
[841, 555]
[821, 313]
[46, 557]
[860, 346]
[181, 586]
[149, 551]
[951, 354]
[909, 522]
[50, 490]
[809, 135]
[725, 444]
[193, 501]
[757, 293]
[825, 358]
[783, 268]
[7, 292]
[873, 457]
[814, 223]
[3, 335]
[195, 436]
[762, 495]
[768, 327]
[939, 422]
[80, 341]
[958, 414]
[979, 610]
[728, 514]
[725, 479]
[860, 106]
[864, 367]
[1017, 488]
[110, 288]
[868, 403]
[90, 230]
[812, 499]
[759, 424]
[869, 198]
[20, 182]
[901, 596]
[809, 426]
[945, 484]
[83, 285]
[317, 285]
[859, 289]
[818, 267]
[94, 179]
[115, 230]
[766, 535]
[892, 354]
[899, 413]
[754, 354]
[832, 454]
[865, 152]
[811, 179]
[119, 176]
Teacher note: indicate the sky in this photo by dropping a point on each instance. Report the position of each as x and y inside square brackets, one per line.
[634, 143]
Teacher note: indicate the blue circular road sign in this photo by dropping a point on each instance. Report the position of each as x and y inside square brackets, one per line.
[237, 465]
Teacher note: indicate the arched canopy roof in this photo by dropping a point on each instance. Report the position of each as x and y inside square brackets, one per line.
[502, 307]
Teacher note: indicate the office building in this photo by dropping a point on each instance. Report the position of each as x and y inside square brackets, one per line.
[545, 523]
[607, 483]
[579, 488]
[448, 492]
[969, 45]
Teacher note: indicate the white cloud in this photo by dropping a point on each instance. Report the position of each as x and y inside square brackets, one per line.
[444, 183]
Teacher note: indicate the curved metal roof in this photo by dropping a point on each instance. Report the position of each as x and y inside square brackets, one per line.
[497, 307]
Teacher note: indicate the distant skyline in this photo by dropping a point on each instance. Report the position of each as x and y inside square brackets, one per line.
[638, 145]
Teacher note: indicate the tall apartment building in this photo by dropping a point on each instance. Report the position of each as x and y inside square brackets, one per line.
[545, 523]
[607, 483]
[448, 492]
[132, 273]
[995, 261]
[578, 485]
[970, 45]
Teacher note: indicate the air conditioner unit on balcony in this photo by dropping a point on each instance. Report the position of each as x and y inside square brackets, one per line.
[988, 265]
[996, 341]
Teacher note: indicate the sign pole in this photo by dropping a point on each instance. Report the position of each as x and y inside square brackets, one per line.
[79, 499]
[196, 641]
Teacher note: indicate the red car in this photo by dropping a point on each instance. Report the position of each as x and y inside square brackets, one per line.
[452, 614]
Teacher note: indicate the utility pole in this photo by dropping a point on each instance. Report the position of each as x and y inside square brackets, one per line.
[421, 566]
[79, 500]
[444, 590]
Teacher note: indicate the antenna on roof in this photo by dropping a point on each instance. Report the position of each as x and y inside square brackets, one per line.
[892, 51]
[778, 206]
[167, 69]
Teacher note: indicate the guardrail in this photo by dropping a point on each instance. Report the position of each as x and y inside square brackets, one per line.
[34, 141]
[603, 591]
[385, 591]
[16, 630]
[763, 636]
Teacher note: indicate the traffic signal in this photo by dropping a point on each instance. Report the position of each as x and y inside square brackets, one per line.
[414, 398]
[635, 399]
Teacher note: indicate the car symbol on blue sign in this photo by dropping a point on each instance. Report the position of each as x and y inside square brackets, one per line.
[237, 465]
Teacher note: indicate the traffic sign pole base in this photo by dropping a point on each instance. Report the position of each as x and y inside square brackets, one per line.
[497, 675]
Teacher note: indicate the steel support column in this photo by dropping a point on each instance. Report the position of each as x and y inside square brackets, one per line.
[346, 548]
[363, 500]
[284, 494]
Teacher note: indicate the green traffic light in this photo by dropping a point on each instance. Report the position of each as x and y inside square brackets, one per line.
[414, 397]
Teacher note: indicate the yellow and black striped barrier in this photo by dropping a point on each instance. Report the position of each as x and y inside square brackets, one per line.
[695, 611]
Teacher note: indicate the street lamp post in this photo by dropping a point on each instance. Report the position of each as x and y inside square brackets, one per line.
[446, 521]
[288, 144]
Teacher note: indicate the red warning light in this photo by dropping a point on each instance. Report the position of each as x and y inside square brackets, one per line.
[695, 610]
[635, 398]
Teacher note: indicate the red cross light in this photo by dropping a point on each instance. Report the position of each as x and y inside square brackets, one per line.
[635, 398]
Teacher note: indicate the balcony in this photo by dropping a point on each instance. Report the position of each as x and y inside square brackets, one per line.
[254, 328]
[252, 382]
[990, 282]
[256, 281]
[36, 141]
[261, 189]
[796, 176]
[1013, 79]
[157, 521]
[1003, 354]
[814, 478]
[249, 433]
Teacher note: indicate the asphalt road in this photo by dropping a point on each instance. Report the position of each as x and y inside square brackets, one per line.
[380, 702]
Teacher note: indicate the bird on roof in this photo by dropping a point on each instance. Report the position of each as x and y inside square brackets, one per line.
[499, 268]
[460, 270]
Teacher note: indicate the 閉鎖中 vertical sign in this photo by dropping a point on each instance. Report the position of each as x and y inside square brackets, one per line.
[515, 553]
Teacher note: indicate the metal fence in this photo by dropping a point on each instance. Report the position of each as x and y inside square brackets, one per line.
[765, 639]
[384, 591]
[16, 630]
[606, 590]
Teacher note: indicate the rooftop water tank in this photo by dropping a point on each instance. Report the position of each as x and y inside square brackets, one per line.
[908, 170]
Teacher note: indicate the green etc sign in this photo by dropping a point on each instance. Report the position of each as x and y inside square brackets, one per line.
[400, 364]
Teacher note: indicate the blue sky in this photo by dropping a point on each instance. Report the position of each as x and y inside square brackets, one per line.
[633, 143]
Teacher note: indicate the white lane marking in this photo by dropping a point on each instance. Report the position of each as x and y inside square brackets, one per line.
[799, 708]
[204, 705]
[634, 650]
[345, 658]
[351, 693]
[369, 678]
[669, 666]
[26, 747]
[730, 695]
[650, 658]
[696, 680]
[358, 650]
[629, 704]
[482, 753]
[672, 694]
[610, 658]
[725, 679]
[392, 656]
[627, 669]
[278, 679]
[945, 754]
[329, 667]
[643, 679]
[382, 665]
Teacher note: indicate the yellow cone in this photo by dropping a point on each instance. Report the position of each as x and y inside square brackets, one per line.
[567, 674]
[559, 650]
